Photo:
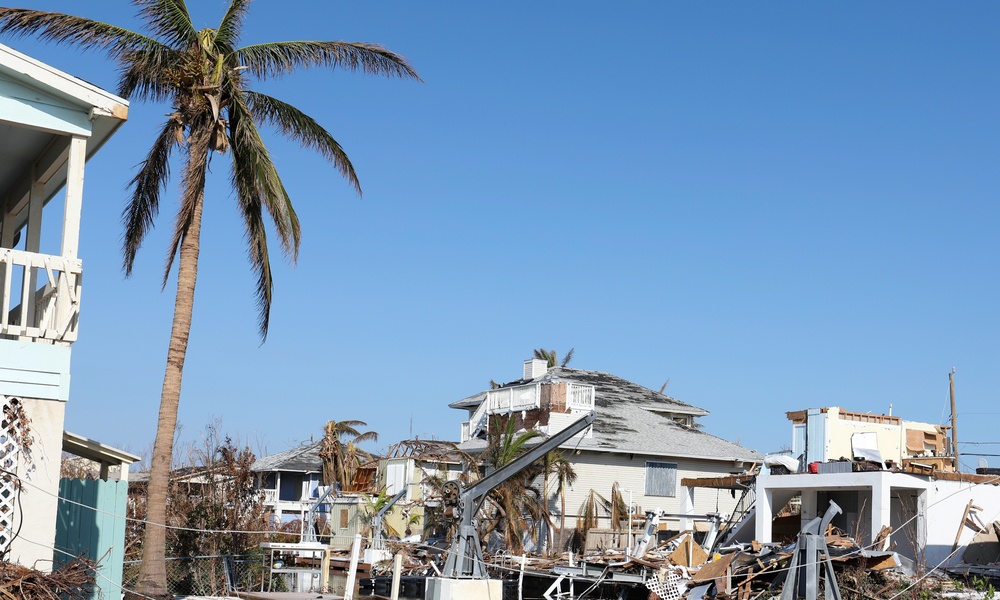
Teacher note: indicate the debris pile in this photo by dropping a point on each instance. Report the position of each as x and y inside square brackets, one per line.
[72, 581]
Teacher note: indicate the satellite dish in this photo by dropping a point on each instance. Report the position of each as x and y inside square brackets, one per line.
[983, 464]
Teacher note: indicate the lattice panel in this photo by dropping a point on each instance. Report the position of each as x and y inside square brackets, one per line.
[12, 428]
[665, 584]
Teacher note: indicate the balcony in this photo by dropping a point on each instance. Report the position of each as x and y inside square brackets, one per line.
[39, 296]
[563, 397]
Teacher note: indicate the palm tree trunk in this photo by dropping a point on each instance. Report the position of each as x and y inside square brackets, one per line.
[562, 516]
[152, 580]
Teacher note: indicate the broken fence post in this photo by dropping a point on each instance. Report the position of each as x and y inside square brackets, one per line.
[397, 574]
[353, 572]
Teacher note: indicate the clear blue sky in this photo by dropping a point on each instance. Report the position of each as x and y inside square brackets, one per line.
[776, 206]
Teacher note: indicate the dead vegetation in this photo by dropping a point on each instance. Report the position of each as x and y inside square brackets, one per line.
[71, 581]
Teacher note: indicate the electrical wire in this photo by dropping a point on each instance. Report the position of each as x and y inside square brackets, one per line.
[916, 515]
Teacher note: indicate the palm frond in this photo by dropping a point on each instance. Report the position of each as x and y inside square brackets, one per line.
[146, 74]
[69, 29]
[260, 262]
[279, 58]
[567, 358]
[258, 187]
[295, 124]
[368, 436]
[232, 24]
[262, 177]
[349, 426]
[146, 186]
[170, 20]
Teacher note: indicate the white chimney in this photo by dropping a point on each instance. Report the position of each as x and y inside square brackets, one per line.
[535, 367]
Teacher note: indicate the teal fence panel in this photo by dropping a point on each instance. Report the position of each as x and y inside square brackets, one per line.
[91, 523]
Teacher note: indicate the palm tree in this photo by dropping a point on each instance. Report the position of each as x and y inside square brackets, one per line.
[516, 498]
[565, 476]
[339, 451]
[551, 358]
[205, 75]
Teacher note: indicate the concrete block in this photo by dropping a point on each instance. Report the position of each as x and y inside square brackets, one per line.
[444, 588]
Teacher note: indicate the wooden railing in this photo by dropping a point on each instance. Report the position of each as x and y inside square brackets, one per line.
[39, 296]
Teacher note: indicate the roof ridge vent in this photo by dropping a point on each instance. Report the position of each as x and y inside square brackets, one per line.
[535, 367]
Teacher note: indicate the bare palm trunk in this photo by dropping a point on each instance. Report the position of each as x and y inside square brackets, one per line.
[152, 580]
[562, 517]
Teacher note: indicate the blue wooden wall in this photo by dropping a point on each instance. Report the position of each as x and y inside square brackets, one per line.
[91, 522]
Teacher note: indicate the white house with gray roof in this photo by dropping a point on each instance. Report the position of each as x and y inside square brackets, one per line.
[642, 439]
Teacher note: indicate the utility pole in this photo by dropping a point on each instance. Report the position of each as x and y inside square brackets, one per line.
[954, 419]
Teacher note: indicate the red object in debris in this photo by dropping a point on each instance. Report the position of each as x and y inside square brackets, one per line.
[814, 467]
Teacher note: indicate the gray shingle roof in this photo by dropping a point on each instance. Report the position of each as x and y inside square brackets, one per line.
[304, 459]
[628, 419]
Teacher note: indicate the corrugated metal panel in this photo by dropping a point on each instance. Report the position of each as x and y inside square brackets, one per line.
[661, 479]
[798, 440]
[815, 436]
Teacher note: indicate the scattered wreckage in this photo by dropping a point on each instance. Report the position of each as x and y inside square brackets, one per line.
[820, 560]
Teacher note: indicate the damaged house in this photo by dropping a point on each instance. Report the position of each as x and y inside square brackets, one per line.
[293, 494]
[421, 466]
[643, 440]
[893, 480]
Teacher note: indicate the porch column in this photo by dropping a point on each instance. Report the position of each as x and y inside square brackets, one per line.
[7, 224]
[764, 515]
[32, 243]
[880, 507]
[687, 508]
[74, 197]
[808, 510]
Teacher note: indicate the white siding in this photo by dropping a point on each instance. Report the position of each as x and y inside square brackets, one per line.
[600, 470]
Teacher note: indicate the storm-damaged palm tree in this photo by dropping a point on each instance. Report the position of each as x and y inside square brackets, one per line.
[205, 75]
[557, 464]
[339, 450]
[516, 506]
[551, 357]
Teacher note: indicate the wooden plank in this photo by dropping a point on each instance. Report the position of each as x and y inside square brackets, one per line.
[688, 554]
[726, 482]
[40, 113]
[714, 569]
[966, 477]
[961, 526]
[5, 305]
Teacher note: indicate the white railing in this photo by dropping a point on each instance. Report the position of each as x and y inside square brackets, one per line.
[505, 400]
[478, 420]
[580, 397]
[270, 497]
[39, 296]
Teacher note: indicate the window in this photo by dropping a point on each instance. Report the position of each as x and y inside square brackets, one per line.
[661, 479]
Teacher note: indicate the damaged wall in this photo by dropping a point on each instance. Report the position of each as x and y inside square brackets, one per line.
[925, 514]
[598, 471]
[898, 439]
